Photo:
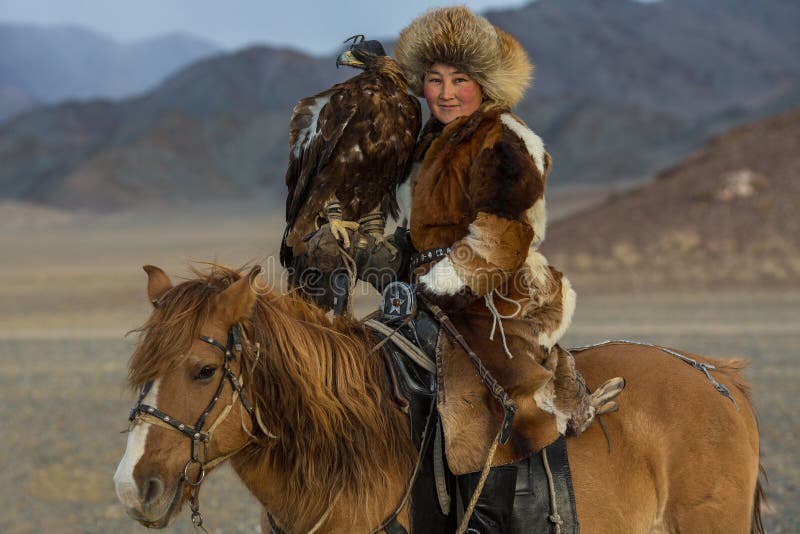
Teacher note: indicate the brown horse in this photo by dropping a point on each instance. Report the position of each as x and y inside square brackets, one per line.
[315, 437]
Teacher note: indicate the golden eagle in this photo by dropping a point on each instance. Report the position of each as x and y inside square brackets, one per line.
[350, 149]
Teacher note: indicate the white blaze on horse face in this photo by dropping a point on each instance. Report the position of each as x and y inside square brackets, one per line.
[125, 484]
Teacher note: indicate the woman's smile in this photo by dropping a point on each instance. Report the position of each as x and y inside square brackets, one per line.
[450, 93]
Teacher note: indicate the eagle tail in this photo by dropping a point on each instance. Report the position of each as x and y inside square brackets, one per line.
[391, 206]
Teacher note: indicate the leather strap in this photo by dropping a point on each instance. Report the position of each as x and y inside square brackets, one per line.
[427, 256]
[491, 383]
[534, 509]
[439, 473]
[394, 527]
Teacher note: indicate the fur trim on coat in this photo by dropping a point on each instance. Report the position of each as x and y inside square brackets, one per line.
[459, 37]
[480, 191]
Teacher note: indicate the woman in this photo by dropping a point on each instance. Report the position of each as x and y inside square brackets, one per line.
[477, 216]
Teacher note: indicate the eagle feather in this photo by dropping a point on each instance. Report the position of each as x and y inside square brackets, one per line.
[350, 144]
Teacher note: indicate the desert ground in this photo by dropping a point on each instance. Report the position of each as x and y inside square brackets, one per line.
[72, 286]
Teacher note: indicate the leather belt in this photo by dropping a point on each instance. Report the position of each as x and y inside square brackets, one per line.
[428, 255]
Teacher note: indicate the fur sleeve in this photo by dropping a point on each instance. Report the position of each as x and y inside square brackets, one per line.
[506, 189]
[505, 180]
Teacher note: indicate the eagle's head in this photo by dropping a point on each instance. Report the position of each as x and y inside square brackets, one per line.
[361, 53]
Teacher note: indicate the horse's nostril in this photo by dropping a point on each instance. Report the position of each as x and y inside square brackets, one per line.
[153, 488]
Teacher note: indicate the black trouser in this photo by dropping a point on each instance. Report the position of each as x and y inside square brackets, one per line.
[496, 503]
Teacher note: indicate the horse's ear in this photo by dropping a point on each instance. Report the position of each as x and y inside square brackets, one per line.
[236, 303]
[158, 283]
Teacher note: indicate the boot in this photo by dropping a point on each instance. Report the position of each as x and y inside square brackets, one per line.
[492, 514]
[573, 397]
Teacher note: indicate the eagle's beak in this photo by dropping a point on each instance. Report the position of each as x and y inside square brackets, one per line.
[347, 58]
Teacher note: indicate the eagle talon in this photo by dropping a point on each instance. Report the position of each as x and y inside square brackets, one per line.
[381, 241]
[340, 228]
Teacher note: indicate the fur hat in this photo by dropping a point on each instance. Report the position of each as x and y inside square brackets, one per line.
[459, 37]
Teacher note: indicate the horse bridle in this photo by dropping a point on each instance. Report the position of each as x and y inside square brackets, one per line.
[199, 438]
[195, 433]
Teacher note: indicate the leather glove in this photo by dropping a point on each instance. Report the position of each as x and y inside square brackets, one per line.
[322, 251]
[381, 262]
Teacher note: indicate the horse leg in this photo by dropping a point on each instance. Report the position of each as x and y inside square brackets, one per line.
[617, 492]
[725, 512]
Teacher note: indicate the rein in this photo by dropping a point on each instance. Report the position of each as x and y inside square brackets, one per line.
[200, 439]
[390, 525]
[495, 389]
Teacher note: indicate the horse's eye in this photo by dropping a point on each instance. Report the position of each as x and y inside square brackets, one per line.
[206, 372]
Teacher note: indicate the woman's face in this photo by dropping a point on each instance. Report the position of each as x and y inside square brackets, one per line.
[450, 93]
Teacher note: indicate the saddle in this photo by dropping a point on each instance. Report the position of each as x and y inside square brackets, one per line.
[415, 387]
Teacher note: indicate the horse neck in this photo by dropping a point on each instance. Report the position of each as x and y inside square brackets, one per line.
[320, 391]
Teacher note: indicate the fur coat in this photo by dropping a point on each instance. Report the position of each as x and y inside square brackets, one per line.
[478, 187]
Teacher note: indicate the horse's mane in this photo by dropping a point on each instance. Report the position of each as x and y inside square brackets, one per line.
[313, 381]
[176, 323]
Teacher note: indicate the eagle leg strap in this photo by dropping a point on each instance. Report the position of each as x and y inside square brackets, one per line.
[373, 223]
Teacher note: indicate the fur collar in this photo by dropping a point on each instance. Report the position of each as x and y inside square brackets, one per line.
[457, 131]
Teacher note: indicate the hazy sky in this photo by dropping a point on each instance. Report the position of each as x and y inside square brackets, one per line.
[317, 26]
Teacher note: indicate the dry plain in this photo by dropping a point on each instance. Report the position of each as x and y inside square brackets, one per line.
[71, 287]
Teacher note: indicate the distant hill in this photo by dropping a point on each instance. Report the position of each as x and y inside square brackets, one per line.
[622, 90]
[15, 99]
[728, 216]
[682, 57]
[54, 63]
[217, 127]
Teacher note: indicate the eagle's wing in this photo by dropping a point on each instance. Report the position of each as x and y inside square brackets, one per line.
[409, 122]
[316, 126]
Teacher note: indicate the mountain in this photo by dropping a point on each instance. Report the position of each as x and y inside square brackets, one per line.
[623, 89]
[727, 216]
[50, 64]
[599, 143]
[14, 99]
[682, 57]
[217, 127]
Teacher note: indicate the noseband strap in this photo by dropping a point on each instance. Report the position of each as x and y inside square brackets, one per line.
[200, 439]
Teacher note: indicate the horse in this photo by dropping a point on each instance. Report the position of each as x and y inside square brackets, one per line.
[298, 403]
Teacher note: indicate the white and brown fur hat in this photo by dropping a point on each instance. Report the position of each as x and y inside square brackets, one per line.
[459, 37]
